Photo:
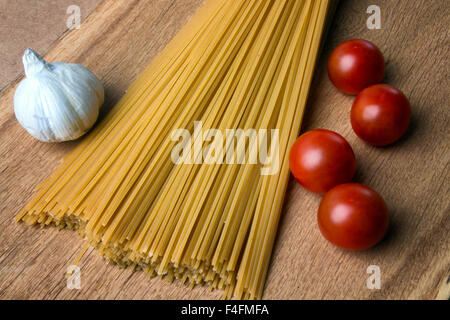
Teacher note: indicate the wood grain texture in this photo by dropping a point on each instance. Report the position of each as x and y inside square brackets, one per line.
[32, 23]
[120, 38]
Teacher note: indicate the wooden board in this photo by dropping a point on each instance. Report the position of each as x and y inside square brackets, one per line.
[32, 23]
[120, 38]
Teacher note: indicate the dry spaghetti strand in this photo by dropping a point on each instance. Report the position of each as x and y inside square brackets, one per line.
[242, 65]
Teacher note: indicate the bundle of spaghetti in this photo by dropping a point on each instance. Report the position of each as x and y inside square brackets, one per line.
[236, 65]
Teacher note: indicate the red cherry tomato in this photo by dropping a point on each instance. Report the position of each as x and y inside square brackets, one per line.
[321, 159]
[353, 216]
[355, 65]
[380, 114]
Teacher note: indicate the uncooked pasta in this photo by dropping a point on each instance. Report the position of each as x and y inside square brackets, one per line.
[237, 65]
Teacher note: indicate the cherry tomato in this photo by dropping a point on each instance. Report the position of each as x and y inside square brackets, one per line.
[380, 114]
[355, 65]
[353, 216]
[321, 159]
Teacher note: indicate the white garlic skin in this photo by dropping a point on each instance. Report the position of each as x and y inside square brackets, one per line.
[57, 101]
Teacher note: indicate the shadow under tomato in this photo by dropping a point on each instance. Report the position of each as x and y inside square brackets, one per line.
[393, 236]
[391, 239]
[411, 132]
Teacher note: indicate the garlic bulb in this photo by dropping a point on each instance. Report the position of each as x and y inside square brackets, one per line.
[57, 101]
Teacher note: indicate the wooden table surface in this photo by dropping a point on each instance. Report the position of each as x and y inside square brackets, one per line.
[117, 41]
